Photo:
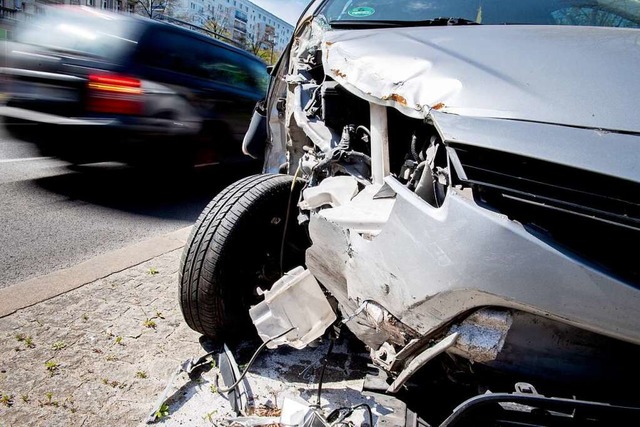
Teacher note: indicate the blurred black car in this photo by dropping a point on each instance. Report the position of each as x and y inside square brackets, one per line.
[111, 87]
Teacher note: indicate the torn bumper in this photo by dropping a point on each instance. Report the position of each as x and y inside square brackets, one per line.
[429, 266]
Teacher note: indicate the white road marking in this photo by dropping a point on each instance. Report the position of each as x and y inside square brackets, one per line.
[25, 159]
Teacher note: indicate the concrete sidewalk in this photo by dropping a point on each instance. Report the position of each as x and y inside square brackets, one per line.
[100, 353]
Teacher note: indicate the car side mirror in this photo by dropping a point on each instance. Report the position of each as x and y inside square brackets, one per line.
[270, 69]
[255, 139]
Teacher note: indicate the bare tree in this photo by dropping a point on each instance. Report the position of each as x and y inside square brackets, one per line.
[151, 8]
[262, 47]
[254, 44]
[218, 24]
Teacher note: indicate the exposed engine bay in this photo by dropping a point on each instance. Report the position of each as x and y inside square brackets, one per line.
[442, 253]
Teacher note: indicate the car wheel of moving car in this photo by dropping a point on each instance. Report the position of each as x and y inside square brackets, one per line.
[236, 247]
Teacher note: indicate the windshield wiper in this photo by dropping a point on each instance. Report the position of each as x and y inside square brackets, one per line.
[435, 22]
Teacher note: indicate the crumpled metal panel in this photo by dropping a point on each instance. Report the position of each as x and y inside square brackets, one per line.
[422, 271]
[551, 74]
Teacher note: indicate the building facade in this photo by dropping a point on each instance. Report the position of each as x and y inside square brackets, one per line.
[240, 20]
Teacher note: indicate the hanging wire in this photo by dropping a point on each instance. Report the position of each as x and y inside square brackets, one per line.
[286, 218]
[253, 358]
[324, 366]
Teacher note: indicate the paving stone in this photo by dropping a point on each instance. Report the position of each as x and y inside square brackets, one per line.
[94, 378]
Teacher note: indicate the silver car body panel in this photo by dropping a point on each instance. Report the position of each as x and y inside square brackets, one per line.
[550, 74]
[420, 269]
[607, 153]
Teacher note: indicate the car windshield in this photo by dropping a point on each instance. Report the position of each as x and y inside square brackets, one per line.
[79, 30]
[601, 13]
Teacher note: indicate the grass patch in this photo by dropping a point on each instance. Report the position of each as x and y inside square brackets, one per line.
[52, 366]
[58, 345]
[6, 400]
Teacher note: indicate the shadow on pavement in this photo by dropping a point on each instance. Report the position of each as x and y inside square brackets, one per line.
[149, 192]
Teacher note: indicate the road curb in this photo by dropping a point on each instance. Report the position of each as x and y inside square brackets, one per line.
[36, 290]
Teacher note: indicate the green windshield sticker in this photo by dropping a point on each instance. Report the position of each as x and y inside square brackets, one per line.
[360, 12]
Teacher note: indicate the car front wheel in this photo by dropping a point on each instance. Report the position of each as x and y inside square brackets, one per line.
[238, 245]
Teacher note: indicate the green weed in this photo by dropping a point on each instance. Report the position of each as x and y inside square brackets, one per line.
[49, 400]
[6, 399]
[58, 345]
[52, 367]
[162, 412]
[149, 323]
[26, 339]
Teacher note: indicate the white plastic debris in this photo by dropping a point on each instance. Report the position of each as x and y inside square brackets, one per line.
[295, 301]
[294, 411]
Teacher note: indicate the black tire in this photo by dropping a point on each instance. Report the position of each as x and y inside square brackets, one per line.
[234, 248]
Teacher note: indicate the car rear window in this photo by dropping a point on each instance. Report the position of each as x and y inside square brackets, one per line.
[79, 30]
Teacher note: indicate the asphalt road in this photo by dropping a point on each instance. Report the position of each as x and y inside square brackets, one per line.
[53, 216]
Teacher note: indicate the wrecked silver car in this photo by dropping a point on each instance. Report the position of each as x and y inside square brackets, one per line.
[458, 183]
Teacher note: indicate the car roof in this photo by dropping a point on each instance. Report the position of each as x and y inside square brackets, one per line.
[175, 27]
[149, 23]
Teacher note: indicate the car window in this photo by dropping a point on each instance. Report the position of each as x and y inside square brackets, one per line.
[79, 30]
[607, 13]
[175, 51]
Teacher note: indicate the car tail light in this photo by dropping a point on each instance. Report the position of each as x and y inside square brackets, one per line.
[111, 93]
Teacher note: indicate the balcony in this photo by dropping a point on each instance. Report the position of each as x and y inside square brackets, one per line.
[241, 16]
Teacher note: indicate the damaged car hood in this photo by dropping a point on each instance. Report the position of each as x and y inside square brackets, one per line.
[549, 74]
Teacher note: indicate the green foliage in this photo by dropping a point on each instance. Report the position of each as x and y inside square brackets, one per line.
[49, 400]
[6, 399]
[26, 339]
[209, 416]
[141, 374]
[58, 345]
[162, 412]
[150, 323]
[52, 367]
